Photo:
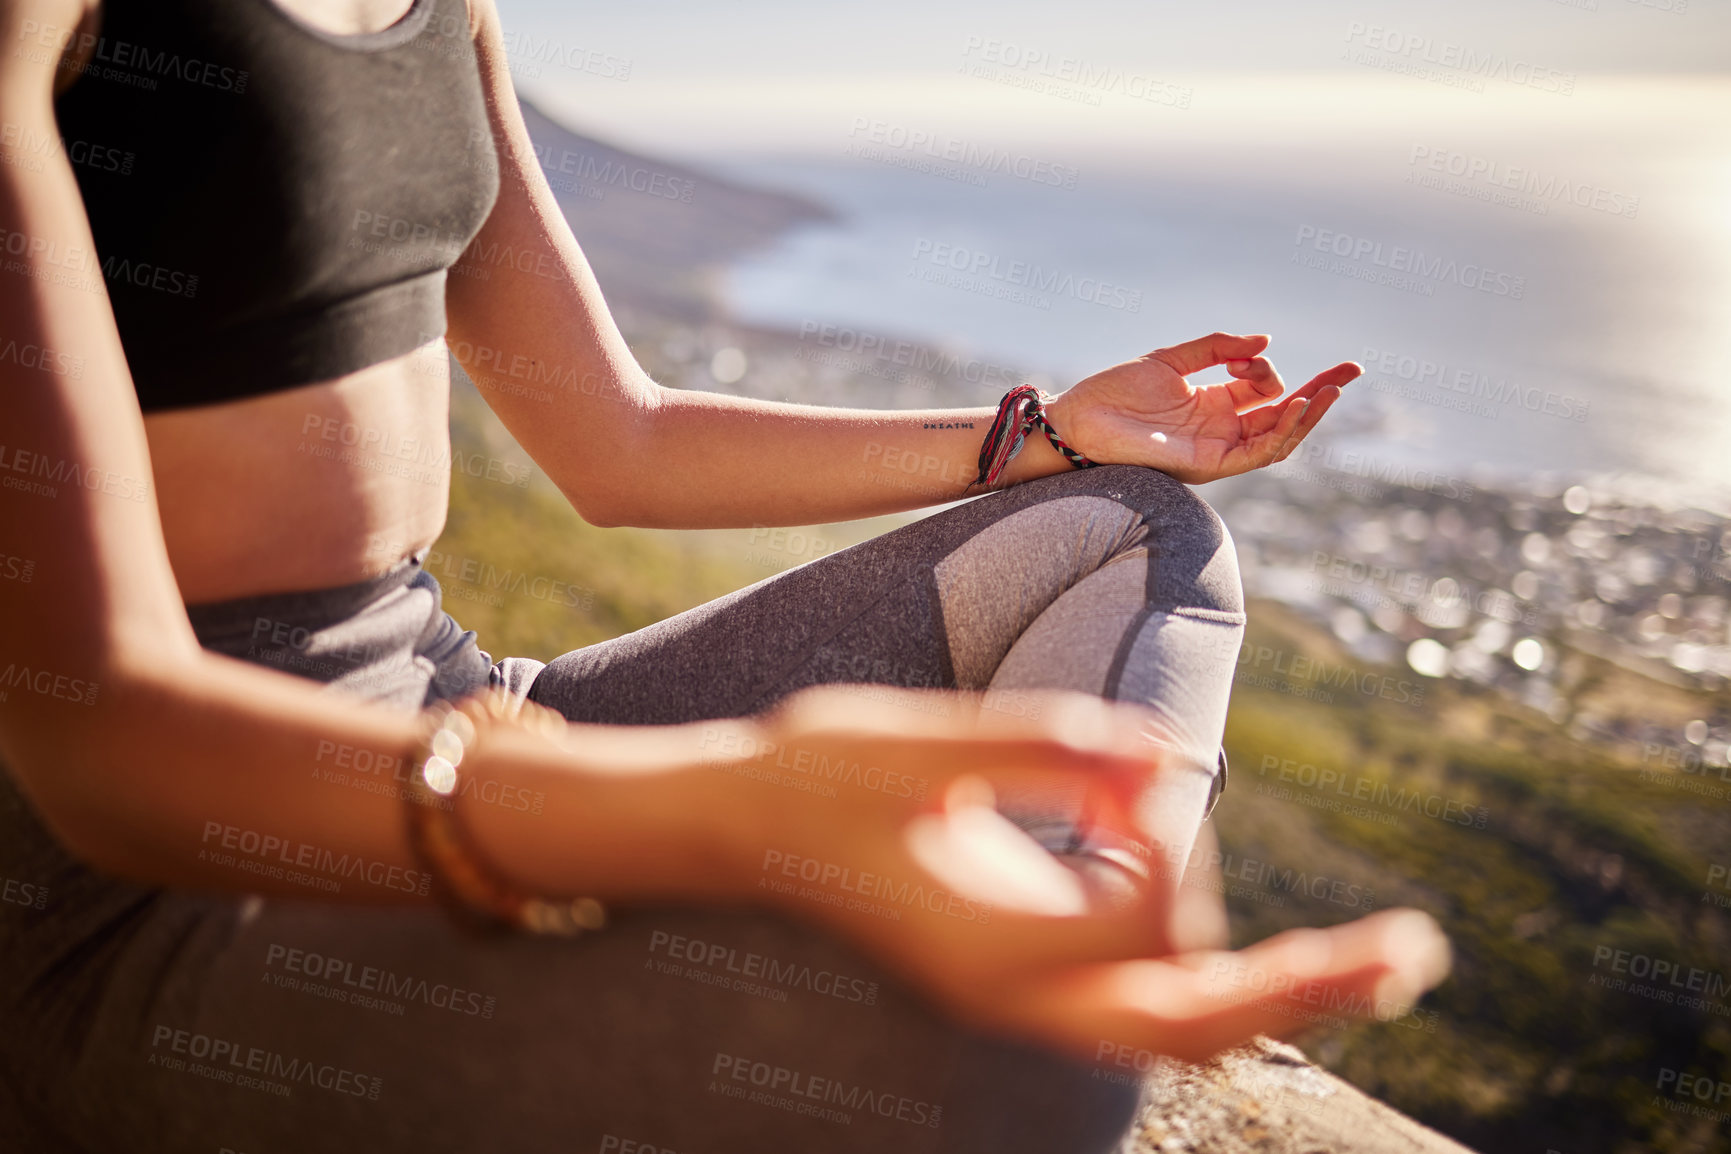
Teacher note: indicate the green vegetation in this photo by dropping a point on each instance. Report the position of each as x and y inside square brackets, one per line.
[533, 579]
[1538, 854]
[1530, 1045]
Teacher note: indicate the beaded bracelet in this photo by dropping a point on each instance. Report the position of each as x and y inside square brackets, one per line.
[1020, 412]
[472, 890]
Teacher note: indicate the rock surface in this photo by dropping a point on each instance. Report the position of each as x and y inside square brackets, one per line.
[1268, 1098]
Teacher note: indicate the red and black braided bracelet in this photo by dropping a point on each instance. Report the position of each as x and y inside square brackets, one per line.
[1021, 411]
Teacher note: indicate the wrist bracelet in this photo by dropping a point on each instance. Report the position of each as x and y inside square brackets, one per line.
[1021, 410]
[475, 893]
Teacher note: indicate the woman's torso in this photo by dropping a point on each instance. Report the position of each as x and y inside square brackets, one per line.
[277, 493]
[317, 485]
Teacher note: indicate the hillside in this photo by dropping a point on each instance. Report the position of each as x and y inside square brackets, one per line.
[1579, 867]
[1542, 857]
[656, 231]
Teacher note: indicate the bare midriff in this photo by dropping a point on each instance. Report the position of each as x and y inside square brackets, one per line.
[306, 488]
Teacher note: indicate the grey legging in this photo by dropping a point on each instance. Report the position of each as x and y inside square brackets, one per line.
[142, 1020]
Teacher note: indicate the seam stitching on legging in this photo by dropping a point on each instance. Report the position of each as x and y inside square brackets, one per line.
[935, 597]
[1223, 616]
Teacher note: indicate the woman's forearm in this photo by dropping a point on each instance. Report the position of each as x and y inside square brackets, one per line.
[212, 774]
[708, 460]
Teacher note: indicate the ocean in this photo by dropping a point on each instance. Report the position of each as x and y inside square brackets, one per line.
[1553, 316]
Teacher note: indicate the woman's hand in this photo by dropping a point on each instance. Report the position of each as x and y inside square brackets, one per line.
[914, 864]
[1144, 412]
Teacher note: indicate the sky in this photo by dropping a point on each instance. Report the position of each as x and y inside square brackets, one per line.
[720, 75]
[798, 37]
[1304, 112]
[1620, 84]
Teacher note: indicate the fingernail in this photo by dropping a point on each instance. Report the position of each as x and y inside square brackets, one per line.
[1394, 995]
[967, 791]
[1238, 364]
[1421, 948]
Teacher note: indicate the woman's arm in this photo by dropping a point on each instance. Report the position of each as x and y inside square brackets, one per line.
[146, 754]
[152, 758]
[535, 335]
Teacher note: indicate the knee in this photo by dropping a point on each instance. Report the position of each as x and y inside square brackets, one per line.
[1195, 562]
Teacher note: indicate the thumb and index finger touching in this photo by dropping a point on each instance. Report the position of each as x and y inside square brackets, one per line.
[1254, 379]
[1213, 349]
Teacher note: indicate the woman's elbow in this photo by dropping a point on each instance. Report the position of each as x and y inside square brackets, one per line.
[601, 508]
[617, 488]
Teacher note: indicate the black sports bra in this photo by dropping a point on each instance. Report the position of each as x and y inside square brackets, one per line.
[273, 204]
